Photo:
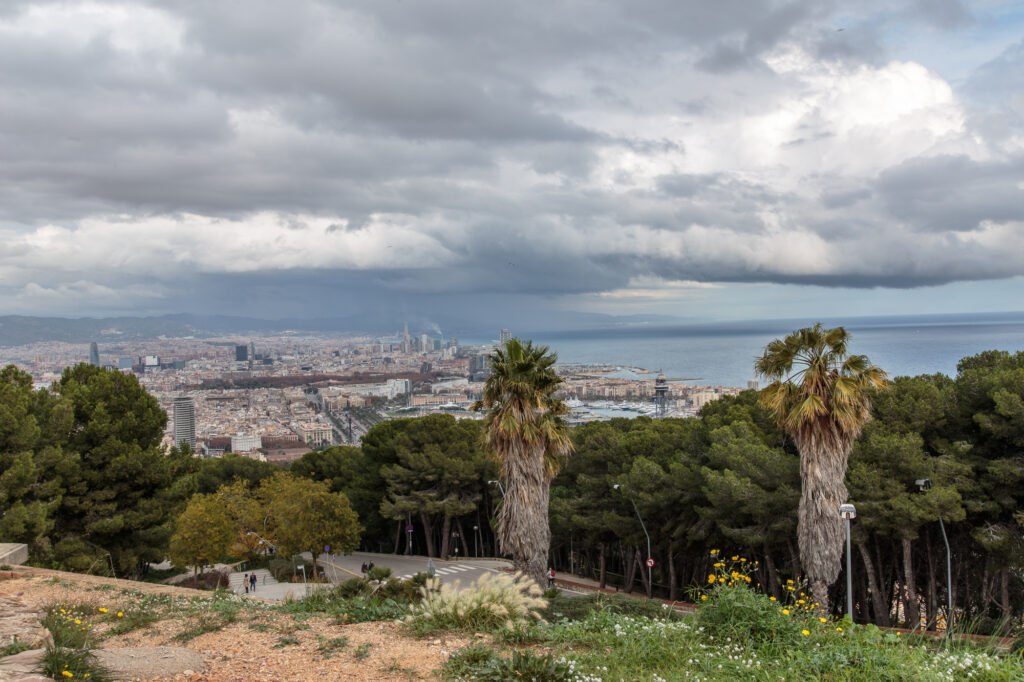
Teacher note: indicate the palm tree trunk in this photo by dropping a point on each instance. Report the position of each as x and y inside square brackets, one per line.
[820, 530]
[602, 568]
[523, 518]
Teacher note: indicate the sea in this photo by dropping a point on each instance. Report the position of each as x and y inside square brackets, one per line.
[723, 353]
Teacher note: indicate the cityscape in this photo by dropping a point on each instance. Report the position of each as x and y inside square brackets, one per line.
[275, 398]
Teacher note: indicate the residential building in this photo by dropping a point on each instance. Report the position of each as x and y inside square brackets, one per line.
[184, 421]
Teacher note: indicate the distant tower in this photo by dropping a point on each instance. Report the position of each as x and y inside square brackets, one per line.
[406, 341]
[504, 336]
[752, 384]
[185, 421]
[661, 396]
[241, 353]
[252, 353]
[94, 354]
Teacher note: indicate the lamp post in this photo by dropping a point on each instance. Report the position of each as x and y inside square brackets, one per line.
[263, 541]
[924, 485]
[476, 547]
[848, 512]
[497, 483]
[650, 563]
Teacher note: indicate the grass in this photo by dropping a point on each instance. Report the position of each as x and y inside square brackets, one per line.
[15, 647]
[70, 654]
[492, 602]
[286, 640]
[362, 651]
[328, 647]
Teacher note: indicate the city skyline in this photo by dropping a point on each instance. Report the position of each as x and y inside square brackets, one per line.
[516, 165]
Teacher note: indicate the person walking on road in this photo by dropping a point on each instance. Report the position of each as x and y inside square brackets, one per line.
[245, 582]
[551, 577]
[252, 582]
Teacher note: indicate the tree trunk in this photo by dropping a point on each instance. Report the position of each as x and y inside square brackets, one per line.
[878, 601]
[931, 590]
[673, 592]
[398, 537]
[462, 545]
[602, 568]
[912, 607]
[645, 577]
[1004, 591]
[823, 456]
[630, 567]
[315, 555]
[428, 532]
[446, 534]
[523, 529]
[773, 577]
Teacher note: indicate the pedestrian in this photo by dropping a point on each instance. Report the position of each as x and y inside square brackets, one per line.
[363, 569]
[245, 581]
[369, 567]
[252, 581]
[551, 577]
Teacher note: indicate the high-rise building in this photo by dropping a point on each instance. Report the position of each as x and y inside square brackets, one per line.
[184, 421]
[94, 354]
[241, 353]
[252, 353]
[406, 342]
[504, 336]
[752, 384]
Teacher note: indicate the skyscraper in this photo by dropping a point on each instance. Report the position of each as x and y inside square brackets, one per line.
[241, 353]
[185, 421]
[94, 354]
[504, 336]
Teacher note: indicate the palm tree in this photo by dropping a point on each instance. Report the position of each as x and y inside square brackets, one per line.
[819, 396]
[525, 432]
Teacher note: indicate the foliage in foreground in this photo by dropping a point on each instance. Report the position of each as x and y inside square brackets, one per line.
[70, 654]
[493, 601]
[737, 634]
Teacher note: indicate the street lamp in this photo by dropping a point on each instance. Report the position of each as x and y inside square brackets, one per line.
[650, 562]
[924, 485]
[848, 511]
[497, 483]
[263, 541]
[476, 547]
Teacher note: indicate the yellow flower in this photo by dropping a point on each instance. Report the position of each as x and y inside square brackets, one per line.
[785, 611]
[703, 597]
[823, 620]
[77, 622]
[714, 552]
[120, 615]
[102, 610]
[771, 598]
[735, 557]
[67, 674]
[742, 560]
[839, 629]
[806, 632]
[800, 601]
[711, 579]
[719, 564]
[789, 582]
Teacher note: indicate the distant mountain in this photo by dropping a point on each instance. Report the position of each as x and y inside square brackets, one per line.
[16, 330]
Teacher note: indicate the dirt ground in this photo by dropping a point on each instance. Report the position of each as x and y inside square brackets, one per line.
[260, 645]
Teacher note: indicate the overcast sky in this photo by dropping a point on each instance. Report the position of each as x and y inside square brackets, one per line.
[727, 159]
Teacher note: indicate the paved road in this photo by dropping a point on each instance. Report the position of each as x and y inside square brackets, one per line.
[342, 567]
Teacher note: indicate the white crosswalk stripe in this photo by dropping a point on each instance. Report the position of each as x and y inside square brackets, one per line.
[444, 571]
[460, 568]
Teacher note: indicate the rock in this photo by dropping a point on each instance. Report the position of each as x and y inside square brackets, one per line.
[150, 662]
[22, 667]
[21, 622]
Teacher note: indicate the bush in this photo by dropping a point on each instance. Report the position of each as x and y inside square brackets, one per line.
[478, 662]
[379, 573]
[739, 612]
[351, 588]
[495, 600]
[73, 641]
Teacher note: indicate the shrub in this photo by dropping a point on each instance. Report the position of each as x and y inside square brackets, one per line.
[351, 588]
[479, 662]
[494, 601]
[737, 611]
[70, 653]
[379, 573]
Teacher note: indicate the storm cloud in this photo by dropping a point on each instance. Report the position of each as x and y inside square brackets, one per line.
[163, 156]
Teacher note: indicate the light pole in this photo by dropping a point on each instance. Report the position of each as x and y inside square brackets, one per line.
[848, 512]
[497, 483]
[263, 541]
[650, 583]
[476, 547]
[924, 485]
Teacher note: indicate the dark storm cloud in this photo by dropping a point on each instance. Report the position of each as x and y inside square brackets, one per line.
[387, 151]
